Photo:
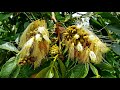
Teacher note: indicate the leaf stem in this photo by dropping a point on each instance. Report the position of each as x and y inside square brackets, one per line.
[33, 16]
[27, 16]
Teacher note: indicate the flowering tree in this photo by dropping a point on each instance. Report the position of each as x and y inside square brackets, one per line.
[59, 45]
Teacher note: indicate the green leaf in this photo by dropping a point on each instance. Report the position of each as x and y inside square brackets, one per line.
[62, 67]
[67, 18]
[94, 69]
[95, 21]
[15, 73]
[79, 71]
[9, 46]
[116, 48]
[50, 74]
[108, 15]
[105, 67]
[110, 57]
[42, 73]
[8, 67]
[56, 75]
[26, 24]
[59, 17]
[106, 74]
[114, 28]
[4, 16]
[1, 30]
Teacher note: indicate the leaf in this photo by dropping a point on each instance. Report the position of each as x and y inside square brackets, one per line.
[42, 73]
[26, 71]
[15, 72]
[1, 30]
[116, 48]
[94, 70]
[105, 67]
[79, 71]
[67, 18]
[105, 74]
[9, 46]
[26, 24]
[110, 57]
[95, 21]
[108, 15]
[8, 67]
[62, 67]
[56, 75]
[4, 16]
[49, 74]
[114, 28]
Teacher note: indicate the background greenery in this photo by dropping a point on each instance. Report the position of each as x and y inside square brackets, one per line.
[106, 26]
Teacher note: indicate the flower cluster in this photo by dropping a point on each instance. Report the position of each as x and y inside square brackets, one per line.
[34, 43]
[83, 45]
[54, 50]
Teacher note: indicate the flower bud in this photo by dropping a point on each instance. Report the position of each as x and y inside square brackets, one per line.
[41, 30]
[29, 42]
[46, 38]
[79, 25]
[38, 37]
[79, 47]
[76, 36]
[91, 37]
[92, 56]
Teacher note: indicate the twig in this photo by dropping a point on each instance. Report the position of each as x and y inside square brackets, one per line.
[27, 16]
[33, 16]
[102, 28]
[53, 17]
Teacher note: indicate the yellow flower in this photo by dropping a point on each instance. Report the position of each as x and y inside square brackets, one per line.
[88, 47]
[26, 48]
[54, 50]
[29, 31]
[35, 42]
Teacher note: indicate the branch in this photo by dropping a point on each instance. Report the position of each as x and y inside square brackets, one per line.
[53, 17]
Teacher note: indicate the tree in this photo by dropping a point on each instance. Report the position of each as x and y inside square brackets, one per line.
[59, 44]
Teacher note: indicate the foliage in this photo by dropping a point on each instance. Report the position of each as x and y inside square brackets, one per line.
[58, 64]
